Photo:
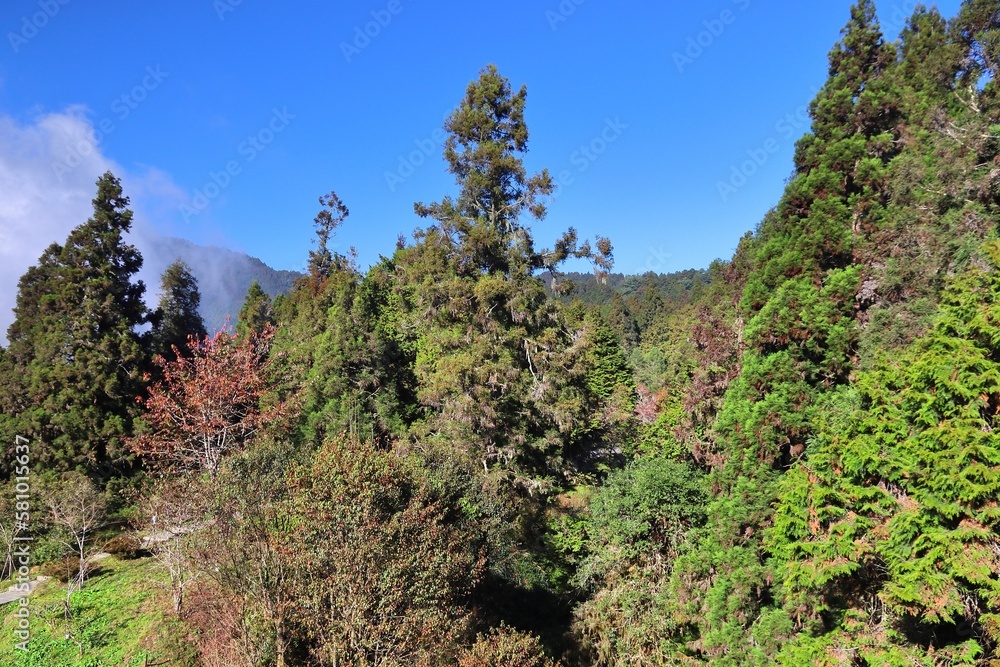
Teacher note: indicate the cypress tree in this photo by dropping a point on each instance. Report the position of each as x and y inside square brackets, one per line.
[177, 317]
[799, 339]
[75, 361]
[887, 534]
[608, 369]
[849, 103]
[256, 313]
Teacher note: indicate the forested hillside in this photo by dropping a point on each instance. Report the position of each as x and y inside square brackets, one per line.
[598, 290]
[462, 456]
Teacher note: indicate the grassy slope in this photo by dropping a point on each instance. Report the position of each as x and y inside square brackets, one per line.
[122, 618]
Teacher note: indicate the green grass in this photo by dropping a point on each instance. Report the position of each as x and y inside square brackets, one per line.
[122, 618]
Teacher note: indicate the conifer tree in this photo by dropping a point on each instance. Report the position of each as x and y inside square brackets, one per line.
[928, 66]
[487, 135]
[497, 377]
[176, 319]
[977, 30]
[320, 346]
[75, 361]
[849, 103]
[622, 322]
[256, 312]
[607, 369]
[799, 337]
[486, 142]
[647, 304]
[887, 534]
[333, 214]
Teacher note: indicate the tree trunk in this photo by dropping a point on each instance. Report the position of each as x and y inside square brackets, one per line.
[280, 643]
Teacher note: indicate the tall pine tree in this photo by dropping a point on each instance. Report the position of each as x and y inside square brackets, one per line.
[498, 376]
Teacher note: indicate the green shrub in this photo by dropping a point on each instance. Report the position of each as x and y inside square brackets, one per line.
[504, 647]
[644, 509]
[125, 546]
[62, 570]
[49, 546]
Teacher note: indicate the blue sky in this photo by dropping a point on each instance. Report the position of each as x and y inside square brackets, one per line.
[229, 118]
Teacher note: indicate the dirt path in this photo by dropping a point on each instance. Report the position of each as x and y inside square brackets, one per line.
[11, 594]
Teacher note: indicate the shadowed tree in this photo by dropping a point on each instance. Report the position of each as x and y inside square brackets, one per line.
[386, 561]
[177, 318]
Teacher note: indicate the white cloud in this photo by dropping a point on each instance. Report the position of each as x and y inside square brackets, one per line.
[48, 171]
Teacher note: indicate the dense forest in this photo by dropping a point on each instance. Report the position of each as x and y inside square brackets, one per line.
[464, 456]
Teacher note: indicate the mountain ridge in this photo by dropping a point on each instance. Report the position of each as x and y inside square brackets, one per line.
[224, 275]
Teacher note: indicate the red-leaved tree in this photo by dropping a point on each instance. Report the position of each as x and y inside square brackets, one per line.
[207, 403]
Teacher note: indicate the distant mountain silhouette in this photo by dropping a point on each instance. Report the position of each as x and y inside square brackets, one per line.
[223, 275]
